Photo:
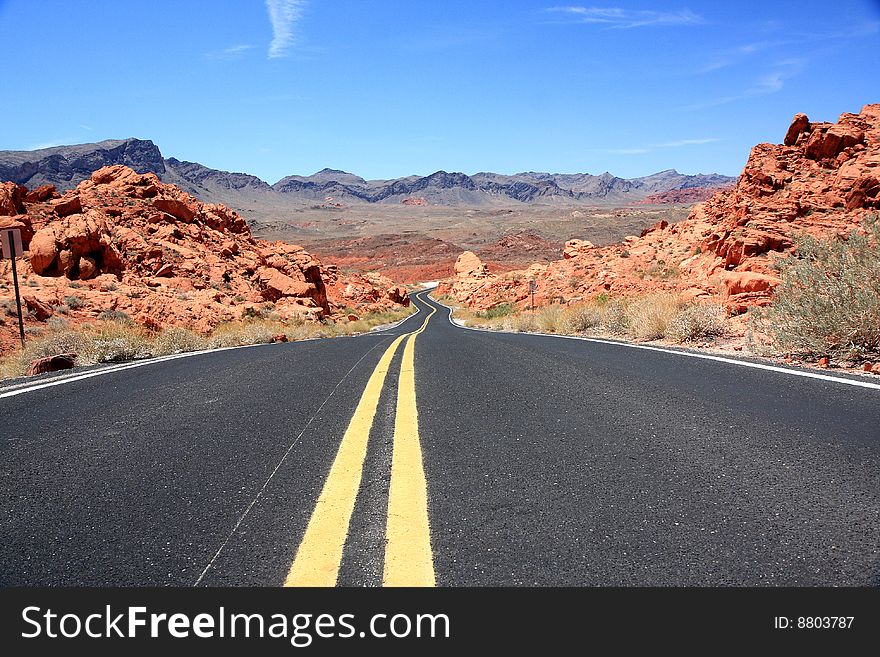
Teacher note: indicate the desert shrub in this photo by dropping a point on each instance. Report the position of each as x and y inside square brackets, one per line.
[615, 316]
[661, 271]
[580, 318]
[115, 316]
[650, 316]
[73, 302]
[549, 319]
[697, 322]
[113, 342]
[176, 340]
[235, 334]
[501, 310]
[524, 322]
[828, 300]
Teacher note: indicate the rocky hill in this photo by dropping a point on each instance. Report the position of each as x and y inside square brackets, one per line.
[687, 196]
[822, 181]
[66, 166]
[124, 242]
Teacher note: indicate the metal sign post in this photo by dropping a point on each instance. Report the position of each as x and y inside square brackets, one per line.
[12, 249]
[533, 285]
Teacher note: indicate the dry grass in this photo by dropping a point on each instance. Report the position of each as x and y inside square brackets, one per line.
[660, 316]
[650, 316]
[698, 322]
[116, 338]
[580, 319]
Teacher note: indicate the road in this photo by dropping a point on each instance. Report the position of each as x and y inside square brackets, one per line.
[430, 454]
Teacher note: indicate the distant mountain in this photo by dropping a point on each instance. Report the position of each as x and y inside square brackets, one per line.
[65, 166]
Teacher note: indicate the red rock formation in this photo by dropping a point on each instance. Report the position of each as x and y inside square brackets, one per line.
[126, 242]
[414, 201]
[822, 181]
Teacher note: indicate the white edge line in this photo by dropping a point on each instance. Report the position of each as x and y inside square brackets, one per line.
[161, 359]
[719, 359]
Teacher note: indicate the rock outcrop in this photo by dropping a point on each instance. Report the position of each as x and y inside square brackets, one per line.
[124, 242]
[822, 181]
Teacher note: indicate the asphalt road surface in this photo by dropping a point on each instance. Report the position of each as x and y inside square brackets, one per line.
[430, 454]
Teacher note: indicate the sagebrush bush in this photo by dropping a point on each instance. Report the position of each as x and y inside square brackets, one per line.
[115, 316]
[828, 300]
[649, 317]
[615, 316]
[114, 343]
[697, 322]
[176, 340]
[580, 318]
[549, 319]
[524, 322]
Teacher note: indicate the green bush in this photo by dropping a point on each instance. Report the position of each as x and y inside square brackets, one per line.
[828, 301]
[501, 310]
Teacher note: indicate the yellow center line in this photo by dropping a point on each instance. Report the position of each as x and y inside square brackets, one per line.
[408, 556]
[408, 560]
[320, 552]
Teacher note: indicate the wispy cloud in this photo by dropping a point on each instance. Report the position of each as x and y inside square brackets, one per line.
[766, 84]
[617, 17]
[647, 148]
[734, 55]
[284, 15]
[233, 52]
[625, 151]
[839, 37]
[52, 143]
[687, 142]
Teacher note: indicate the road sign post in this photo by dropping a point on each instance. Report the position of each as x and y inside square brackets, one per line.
[533, 285]
[12, 249]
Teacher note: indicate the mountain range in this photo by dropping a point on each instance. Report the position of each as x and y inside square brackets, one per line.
[66, 166]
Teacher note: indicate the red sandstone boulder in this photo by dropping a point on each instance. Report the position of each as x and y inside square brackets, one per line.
[51, 364]
[11, 199]
[799, 125]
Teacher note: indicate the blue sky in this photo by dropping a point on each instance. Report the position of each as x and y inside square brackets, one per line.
[387, 88]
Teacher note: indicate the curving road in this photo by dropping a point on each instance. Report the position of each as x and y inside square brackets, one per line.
[430, 454]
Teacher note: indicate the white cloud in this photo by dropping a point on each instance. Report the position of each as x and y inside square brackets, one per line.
[616, 17]
[769, 83]
[233, 52]
[687, 142]
[647, 148]
[626, 151]
[284, 15]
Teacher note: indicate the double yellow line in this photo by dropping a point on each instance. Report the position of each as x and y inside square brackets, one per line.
[408, 558]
